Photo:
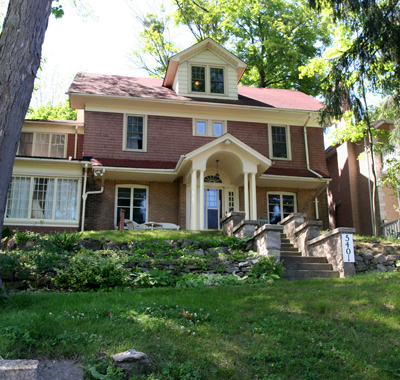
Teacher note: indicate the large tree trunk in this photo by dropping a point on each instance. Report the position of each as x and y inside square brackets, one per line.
[21, 43]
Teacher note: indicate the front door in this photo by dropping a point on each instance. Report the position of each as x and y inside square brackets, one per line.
[212, 208]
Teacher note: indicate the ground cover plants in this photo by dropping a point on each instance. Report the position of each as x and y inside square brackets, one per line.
[198, 325]
[314, 329]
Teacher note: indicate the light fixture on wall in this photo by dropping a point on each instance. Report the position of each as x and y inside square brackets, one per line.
[217, 174]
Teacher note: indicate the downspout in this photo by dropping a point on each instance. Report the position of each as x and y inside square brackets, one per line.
[312, 171]
[76, 141]
[369, 186]
[86, 193]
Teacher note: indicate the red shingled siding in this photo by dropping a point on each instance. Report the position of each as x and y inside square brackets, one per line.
[170, 137]
[71, 146]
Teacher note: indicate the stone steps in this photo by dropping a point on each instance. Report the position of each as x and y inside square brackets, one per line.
[303, 267]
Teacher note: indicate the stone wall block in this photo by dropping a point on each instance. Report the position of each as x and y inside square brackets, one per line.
[230, 221]
[304, 233]
[330, 245]
[267, 240]
[245, 228]
[18, 369]
[290, 223]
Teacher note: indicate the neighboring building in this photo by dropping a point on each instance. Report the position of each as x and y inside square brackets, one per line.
[350, 191]
[186, 150]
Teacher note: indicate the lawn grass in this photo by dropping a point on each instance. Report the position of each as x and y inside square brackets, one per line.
[152, 235]
[314, 329]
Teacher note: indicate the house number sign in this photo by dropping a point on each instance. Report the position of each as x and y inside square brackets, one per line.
[348, 248]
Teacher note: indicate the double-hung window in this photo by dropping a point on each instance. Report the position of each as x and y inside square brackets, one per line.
[135, 130]
[280, 205]
[207, 80]
[133, 199]
[43, 198]
[279, 142]
[40, 144]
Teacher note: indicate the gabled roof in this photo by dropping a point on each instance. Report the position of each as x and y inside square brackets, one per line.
[148, 88]
[209, 44]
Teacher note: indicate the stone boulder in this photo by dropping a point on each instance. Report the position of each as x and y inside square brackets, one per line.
[132, 363]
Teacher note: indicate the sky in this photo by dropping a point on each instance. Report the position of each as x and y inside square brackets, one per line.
[99, 43]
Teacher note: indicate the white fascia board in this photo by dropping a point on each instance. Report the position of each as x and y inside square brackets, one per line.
[100, 108]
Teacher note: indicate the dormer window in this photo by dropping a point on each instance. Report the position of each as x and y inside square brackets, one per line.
[216, 80]
[207, 80]
[198, 79]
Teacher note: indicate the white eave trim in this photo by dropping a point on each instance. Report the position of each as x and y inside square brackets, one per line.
[292, 178]
[193, 102]
[62, 160]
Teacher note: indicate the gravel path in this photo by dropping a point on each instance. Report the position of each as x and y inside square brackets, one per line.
[59, 370]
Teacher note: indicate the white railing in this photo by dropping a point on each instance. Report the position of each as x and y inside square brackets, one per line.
[391, 229]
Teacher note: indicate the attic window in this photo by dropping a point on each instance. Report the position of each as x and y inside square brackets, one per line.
[207, 80]
[198, 79]
[217, 80]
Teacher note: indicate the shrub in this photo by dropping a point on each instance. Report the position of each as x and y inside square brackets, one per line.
[64, 241]
[153, 278]
[267, 266]
[89, 270]
[6, 232]
[237, 243]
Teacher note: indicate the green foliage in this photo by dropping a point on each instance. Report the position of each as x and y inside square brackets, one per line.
[236, 243]
[24, 236]
[61, 111]
[267, 266]
[153, 278]
[102, 369]
[274, 37]
[64, 241]
[155, 46]
[6, 232]
[89, 270]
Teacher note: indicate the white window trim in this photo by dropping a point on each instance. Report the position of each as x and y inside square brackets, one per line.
[207, 79]
[209, 127]
[281, 193]
[29, 221]
[50, 138]
[125, 131]
[288, 145]
[131, 186]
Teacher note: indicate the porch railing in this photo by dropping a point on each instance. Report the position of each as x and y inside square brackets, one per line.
[391, 229]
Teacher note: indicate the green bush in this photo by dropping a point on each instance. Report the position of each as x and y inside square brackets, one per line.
[267, 266]
[6, 232]
[89, 270]
[153, 278]
[64, 241]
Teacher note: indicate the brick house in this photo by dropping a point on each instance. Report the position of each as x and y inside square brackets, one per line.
[186, 149]
[350, 191]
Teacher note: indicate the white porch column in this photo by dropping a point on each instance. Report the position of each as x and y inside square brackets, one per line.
[201, 200]
[253, 197]
[194, 203]
[246, 195]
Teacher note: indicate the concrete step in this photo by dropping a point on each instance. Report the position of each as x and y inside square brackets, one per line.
[293, 274]
[307, 266]
[303, 259]
[290, 253]
[288, 248]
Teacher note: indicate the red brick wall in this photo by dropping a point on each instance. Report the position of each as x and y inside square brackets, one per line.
[42, 229]
[170, 137]
[163, 204]
[71, 146]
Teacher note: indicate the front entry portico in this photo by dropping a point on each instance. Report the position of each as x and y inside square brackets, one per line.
[238, 166]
